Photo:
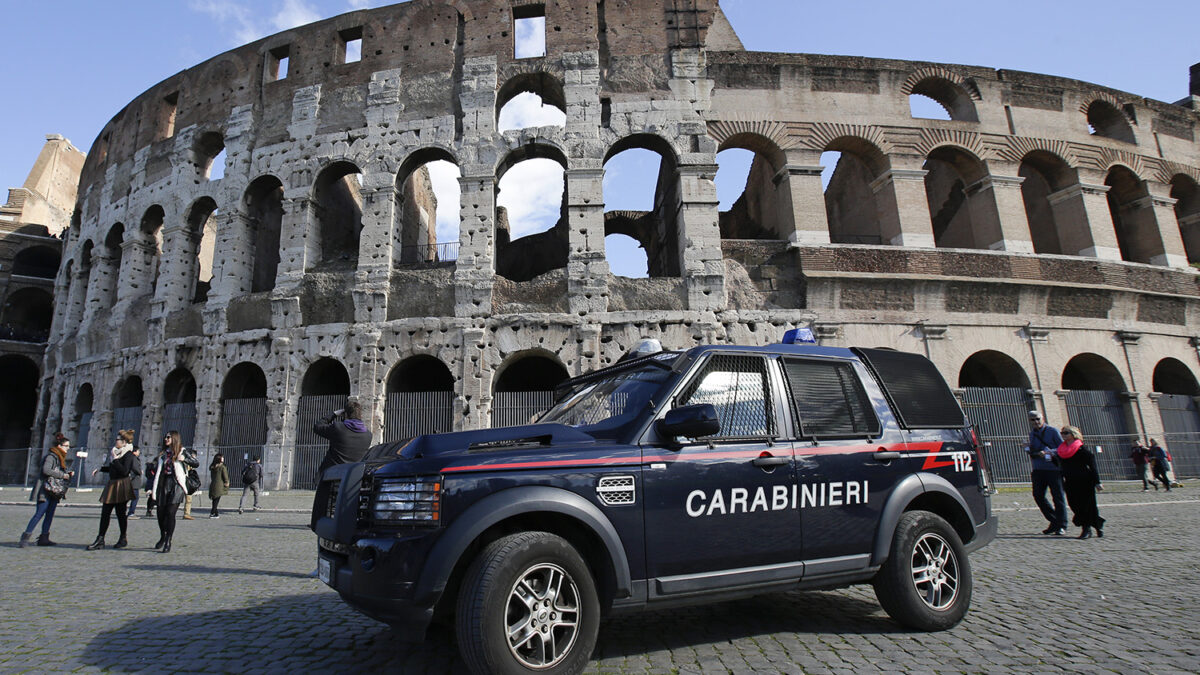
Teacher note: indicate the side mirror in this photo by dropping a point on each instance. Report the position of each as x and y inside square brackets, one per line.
[690, 421]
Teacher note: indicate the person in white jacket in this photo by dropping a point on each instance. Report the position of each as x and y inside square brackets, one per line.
[170, 485]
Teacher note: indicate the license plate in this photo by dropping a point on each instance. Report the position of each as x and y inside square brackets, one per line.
[324, 570]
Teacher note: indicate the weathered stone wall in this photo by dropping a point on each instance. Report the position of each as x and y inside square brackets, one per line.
[863, 263]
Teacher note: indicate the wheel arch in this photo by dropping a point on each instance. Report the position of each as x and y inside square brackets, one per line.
[540, 508]
[921, 492]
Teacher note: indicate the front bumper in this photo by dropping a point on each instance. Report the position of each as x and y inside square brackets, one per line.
[375, 576]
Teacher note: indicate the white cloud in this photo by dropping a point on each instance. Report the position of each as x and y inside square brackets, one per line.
[529, 37]
[527, 110]
[444, 177]
[294, 13]
[236, 17]
[532, 193]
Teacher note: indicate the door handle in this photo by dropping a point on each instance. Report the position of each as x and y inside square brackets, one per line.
[886, 455]
[768, 460]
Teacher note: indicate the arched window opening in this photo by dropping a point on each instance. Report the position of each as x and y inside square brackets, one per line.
[531, 215]
[242, 430]
[1186, 194]
[323, 391]
[851, 204]
[337, 212]
[963, 216]
[18, 404]
[201, 244]
[428, 202]
[110, 273]
[1177, 407]
[209, 155]
[1104, 119]
[127, 408]
[530, 100]
[1171, 376]
[941, 99]
[748, 198]
[81, 425]
[179, 403]
[1055, 226]
[264, 212]
[420, 397]
[524, 388]
[990, 368]
[1133, 218]
[1093, 373]
[148, 256]
[640, 192]
[36, 261]
[26, 315]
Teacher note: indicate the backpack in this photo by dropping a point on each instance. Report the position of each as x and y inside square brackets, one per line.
[249, 474]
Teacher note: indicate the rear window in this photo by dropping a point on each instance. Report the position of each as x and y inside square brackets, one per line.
[828, 399]
[919, 395]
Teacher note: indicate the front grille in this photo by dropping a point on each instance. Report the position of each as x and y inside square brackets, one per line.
[616, 490]
[331, 503]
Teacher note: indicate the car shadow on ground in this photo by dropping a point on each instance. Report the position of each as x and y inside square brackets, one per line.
[202, 569]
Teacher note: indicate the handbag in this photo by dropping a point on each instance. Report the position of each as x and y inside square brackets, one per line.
[192, 481]
[55, 487]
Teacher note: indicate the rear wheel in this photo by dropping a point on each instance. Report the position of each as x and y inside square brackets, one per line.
[926, 582]
[528, 604]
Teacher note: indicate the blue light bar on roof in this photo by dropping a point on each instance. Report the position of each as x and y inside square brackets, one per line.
[796, 336]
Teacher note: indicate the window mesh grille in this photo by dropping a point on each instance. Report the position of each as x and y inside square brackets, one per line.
[829, 400]
[921, 397]
[736, 386]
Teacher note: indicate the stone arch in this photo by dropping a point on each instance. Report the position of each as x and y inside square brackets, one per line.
[263, 211]
[335, 210]
[963, 215]
[36, 261]
[325, 377]
[958, 102]
[1186, 192]
[18, 402]
[523, 386]
[244, 380]
[108, 272]
[128, 393]
[420, 398]
[539, 84]
[1105, 118]
[521, 256]
[1092, 372]
[198, 244]
[1133, 217]
[764, 210]
[243, 405]
[179, 403]
[146, 252]
[208, 155]
[990, 368]
[1056, 225]
[415, 236]
[179, 386]
[27, 314]
[654, 225]
[852, 208]
[1172, 376]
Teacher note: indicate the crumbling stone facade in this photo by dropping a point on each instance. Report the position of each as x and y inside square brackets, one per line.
[1047, 218]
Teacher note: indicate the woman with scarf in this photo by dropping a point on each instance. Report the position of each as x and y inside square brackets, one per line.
[123, 465]
[1081, 481]
[170, 485]
[53, 466]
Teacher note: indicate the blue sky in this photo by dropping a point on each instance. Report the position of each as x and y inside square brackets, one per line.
[71, 65]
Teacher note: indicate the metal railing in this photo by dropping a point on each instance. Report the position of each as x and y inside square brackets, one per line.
[429, 253]
[513, 408]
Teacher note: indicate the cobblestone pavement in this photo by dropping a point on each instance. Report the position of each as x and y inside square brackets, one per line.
[234, 595]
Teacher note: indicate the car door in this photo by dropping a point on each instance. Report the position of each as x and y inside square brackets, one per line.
[719, 510]
[847, 456]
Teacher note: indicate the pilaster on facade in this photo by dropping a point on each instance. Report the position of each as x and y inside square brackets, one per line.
[803, 199]
[903, 208]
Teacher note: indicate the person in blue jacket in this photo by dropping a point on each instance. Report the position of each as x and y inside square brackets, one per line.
[1043, 441]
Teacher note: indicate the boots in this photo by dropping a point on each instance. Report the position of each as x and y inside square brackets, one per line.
[44, 540]
[96, 545]
[121, 543]
[1099, 531]
[162, 539]
[1087, 532]
[167, 546]
[25, 536]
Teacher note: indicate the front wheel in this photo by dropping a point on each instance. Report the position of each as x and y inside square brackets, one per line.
[528, 604]
[926, 582]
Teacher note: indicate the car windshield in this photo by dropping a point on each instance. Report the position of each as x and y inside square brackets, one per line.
[605, 407]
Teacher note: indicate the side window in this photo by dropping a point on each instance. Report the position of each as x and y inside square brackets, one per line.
[736, 385]
[829, 399]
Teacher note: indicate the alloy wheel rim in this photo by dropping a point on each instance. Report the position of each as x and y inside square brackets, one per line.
[542, 616]
[935, 571]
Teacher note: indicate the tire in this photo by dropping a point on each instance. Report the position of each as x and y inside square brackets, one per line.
[536, 581]
[926, 582]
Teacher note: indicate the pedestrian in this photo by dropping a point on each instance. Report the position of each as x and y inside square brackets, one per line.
[218, 483]
[349, 439]
[1158, 458]
[123, 465]
[1046, 475]
[54, 465]
[252, 476]
[151, 466]
[170, 485]
[1081, 480]
[134, 482]
[1140, 455]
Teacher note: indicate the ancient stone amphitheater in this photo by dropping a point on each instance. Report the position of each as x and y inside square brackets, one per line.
[1035, 244]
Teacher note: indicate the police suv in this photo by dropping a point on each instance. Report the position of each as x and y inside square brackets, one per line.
[669, 479]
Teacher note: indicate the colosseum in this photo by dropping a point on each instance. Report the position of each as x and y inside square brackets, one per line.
[1037, 244]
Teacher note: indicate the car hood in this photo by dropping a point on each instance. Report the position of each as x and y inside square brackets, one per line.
[435, 452]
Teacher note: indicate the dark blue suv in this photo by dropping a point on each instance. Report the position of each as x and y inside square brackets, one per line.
[670, 479]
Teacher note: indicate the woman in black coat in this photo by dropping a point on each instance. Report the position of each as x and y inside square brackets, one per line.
[1080, 481]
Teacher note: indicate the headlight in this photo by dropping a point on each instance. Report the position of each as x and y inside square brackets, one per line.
[415, 500]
